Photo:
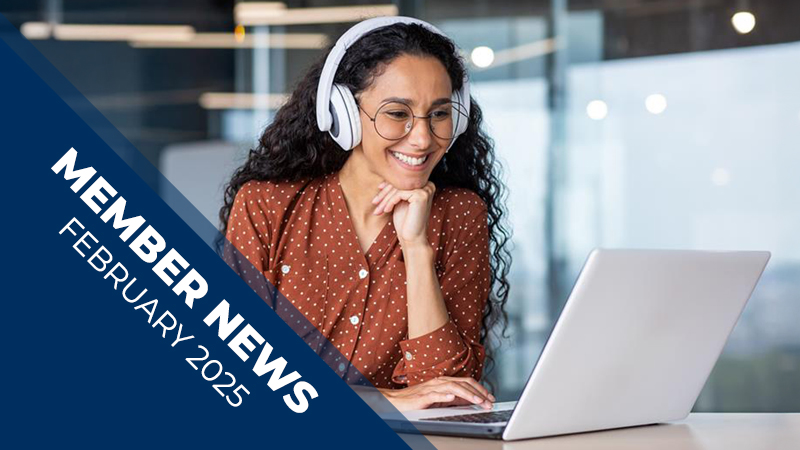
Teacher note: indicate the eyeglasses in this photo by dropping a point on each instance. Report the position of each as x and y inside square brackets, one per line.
[394, 120]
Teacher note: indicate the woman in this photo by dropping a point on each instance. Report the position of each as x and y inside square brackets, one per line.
[385, 248]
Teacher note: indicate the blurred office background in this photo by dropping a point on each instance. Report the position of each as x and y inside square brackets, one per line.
[621, 123]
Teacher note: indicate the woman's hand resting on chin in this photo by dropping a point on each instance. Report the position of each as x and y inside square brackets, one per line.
[411, 210]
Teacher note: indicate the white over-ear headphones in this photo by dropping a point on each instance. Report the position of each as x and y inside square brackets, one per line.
[337, 112]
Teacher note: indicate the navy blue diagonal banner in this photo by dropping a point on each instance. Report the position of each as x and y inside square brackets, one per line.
[136, 333]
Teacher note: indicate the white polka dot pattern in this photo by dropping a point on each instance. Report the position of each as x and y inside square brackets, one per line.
[299, 235]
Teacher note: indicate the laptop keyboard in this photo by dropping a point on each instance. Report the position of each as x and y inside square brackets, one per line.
[483, 417]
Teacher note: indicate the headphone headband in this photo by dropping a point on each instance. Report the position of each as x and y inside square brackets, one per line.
[324, 117]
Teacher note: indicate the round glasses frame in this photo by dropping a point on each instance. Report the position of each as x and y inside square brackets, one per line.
[458, 107]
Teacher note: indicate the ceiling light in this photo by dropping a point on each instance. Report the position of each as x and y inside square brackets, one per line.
[482, 56]
[241, 100]
[36, 30]
[74, 32]
[257, 13]
[655, 103]
[233, 40]
[743, 22]
[597, 110]
[81, 32]
[254, 12]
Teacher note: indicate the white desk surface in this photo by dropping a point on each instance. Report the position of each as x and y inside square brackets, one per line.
[700, 431]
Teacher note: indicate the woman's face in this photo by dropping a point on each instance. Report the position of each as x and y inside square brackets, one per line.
[422, 84]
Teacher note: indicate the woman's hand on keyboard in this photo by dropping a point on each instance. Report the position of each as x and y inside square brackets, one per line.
[439, 392]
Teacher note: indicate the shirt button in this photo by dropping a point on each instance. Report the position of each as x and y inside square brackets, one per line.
[341, 367]
[354, 320]
[363, 273]
[409, 356]
[285, 269]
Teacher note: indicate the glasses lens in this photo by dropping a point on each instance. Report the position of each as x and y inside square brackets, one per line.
[442, 121]
[393, 120]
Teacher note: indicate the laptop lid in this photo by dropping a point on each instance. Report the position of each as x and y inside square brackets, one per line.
[636, 340]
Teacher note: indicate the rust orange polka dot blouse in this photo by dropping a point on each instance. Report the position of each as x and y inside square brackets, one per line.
[299, 235]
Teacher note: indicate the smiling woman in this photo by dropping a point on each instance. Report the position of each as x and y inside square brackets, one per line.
[396, 249]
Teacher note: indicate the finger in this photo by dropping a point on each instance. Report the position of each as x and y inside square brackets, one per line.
[471, 381]
[459, 390]
[396, 196]
[391, 204]
[382, 204]
[384, 201]
[428, 191]
[484, 399]
[481, 396]
[381, 194]
[458, 402]
[433, 397]
[472, 389]
[385, 190]
[399, 196]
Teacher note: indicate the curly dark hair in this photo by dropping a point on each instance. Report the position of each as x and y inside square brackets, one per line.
[292, 147]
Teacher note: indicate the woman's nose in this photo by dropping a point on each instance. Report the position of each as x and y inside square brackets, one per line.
[420, 134]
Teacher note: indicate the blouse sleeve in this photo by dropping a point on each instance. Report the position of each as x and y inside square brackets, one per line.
[454, 349]
[248, 230]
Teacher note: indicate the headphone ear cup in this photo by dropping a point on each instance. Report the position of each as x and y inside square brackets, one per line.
[460, 121]
[355, 117]
[346, 127]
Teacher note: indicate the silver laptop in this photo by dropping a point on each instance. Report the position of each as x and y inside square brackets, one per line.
[634, 345]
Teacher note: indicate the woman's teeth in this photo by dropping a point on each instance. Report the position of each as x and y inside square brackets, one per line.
[409, 160]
